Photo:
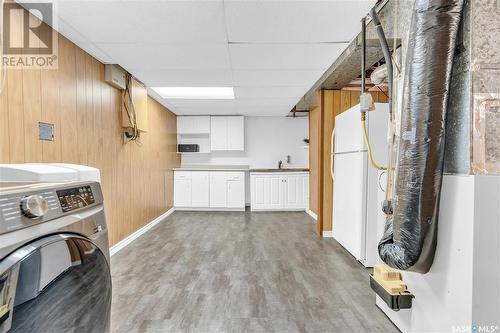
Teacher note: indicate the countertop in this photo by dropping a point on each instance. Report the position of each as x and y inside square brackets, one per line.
[213, 168]
[280, 170]
[236, 168]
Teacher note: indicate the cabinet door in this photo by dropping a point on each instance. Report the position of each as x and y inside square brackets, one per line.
[236, 133]
[276, 193]
[218, 189]
[184, 124]
[294, 191]
[218, 133]
[202, 124]
[305, 186]
[200, 189]
[182, 192]
[259, 192]
[235, 189]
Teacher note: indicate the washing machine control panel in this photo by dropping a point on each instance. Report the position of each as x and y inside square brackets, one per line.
[75, 198]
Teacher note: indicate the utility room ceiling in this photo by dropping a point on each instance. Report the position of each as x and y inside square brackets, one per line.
[271, 52]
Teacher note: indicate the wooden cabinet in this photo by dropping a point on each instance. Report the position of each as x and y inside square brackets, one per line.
[209, 190]
[227, 133]
[279, 191]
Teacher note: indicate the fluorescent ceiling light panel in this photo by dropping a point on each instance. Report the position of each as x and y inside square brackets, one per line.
[195, 92]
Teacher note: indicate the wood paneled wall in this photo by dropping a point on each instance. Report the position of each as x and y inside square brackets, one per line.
[321, 124]
[137, 180]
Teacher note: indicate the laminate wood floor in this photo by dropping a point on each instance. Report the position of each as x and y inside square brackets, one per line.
[240, 272]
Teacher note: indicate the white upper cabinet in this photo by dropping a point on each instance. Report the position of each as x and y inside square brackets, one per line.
[218, 133]
[236, 133]
[227, 133]
[193, 125]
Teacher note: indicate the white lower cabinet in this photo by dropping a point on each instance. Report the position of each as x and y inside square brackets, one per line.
[279, 191]
[235, 191]
[200, 185]
[218, 189]
[182, 189]
[209, 190]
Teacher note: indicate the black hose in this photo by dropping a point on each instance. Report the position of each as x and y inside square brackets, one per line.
[387, 56]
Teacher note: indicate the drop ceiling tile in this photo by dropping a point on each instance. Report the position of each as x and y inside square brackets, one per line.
[70, 33]
[284, 56]
[294, 21]
[150, 56]
[97, 53]
[146, 21]
[275, 106]
[269, 78]
[270, 92]
[269, 111]
[202, 103]
[186, 77]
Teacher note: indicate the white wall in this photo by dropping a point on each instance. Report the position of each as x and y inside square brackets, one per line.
[267, 140]
[463, 286]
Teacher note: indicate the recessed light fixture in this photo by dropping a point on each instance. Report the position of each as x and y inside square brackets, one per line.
[195, 92]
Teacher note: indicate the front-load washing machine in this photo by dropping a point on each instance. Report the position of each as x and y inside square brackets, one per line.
[54, 258]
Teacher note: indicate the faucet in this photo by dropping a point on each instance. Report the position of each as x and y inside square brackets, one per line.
[280, 163]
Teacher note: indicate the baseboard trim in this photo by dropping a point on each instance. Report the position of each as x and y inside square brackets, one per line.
[209, 209]
[312, 214]
[132, 237]
[327, 234]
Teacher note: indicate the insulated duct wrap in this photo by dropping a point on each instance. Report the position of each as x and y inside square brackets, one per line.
[409, 240]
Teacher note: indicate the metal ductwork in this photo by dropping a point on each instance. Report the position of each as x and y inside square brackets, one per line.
[409, 240]
[379, 76]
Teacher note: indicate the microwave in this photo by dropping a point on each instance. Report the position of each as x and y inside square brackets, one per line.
[188, 148]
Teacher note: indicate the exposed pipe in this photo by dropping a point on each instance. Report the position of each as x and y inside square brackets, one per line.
[365, 99]
[387, 56]
[409, 240]
[363, 55]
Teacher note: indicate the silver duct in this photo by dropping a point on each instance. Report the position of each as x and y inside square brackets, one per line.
[379, 76]
[409, 240]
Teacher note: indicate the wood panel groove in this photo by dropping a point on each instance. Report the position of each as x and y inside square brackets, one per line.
[137, 181]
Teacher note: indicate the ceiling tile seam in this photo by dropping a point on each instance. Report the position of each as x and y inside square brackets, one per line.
[87, 41]
[227, 48]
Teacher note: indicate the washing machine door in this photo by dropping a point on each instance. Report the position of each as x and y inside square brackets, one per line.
[59, 283]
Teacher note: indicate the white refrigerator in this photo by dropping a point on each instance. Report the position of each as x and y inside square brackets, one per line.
[355, 184]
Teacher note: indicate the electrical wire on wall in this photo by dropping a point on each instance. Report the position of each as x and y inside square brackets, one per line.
[133, 133]
[3, 68]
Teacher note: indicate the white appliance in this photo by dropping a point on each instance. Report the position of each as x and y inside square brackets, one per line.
[53, 249]
[355, 181]
[48, 172]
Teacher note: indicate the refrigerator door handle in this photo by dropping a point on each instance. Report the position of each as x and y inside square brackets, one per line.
[332, 153]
